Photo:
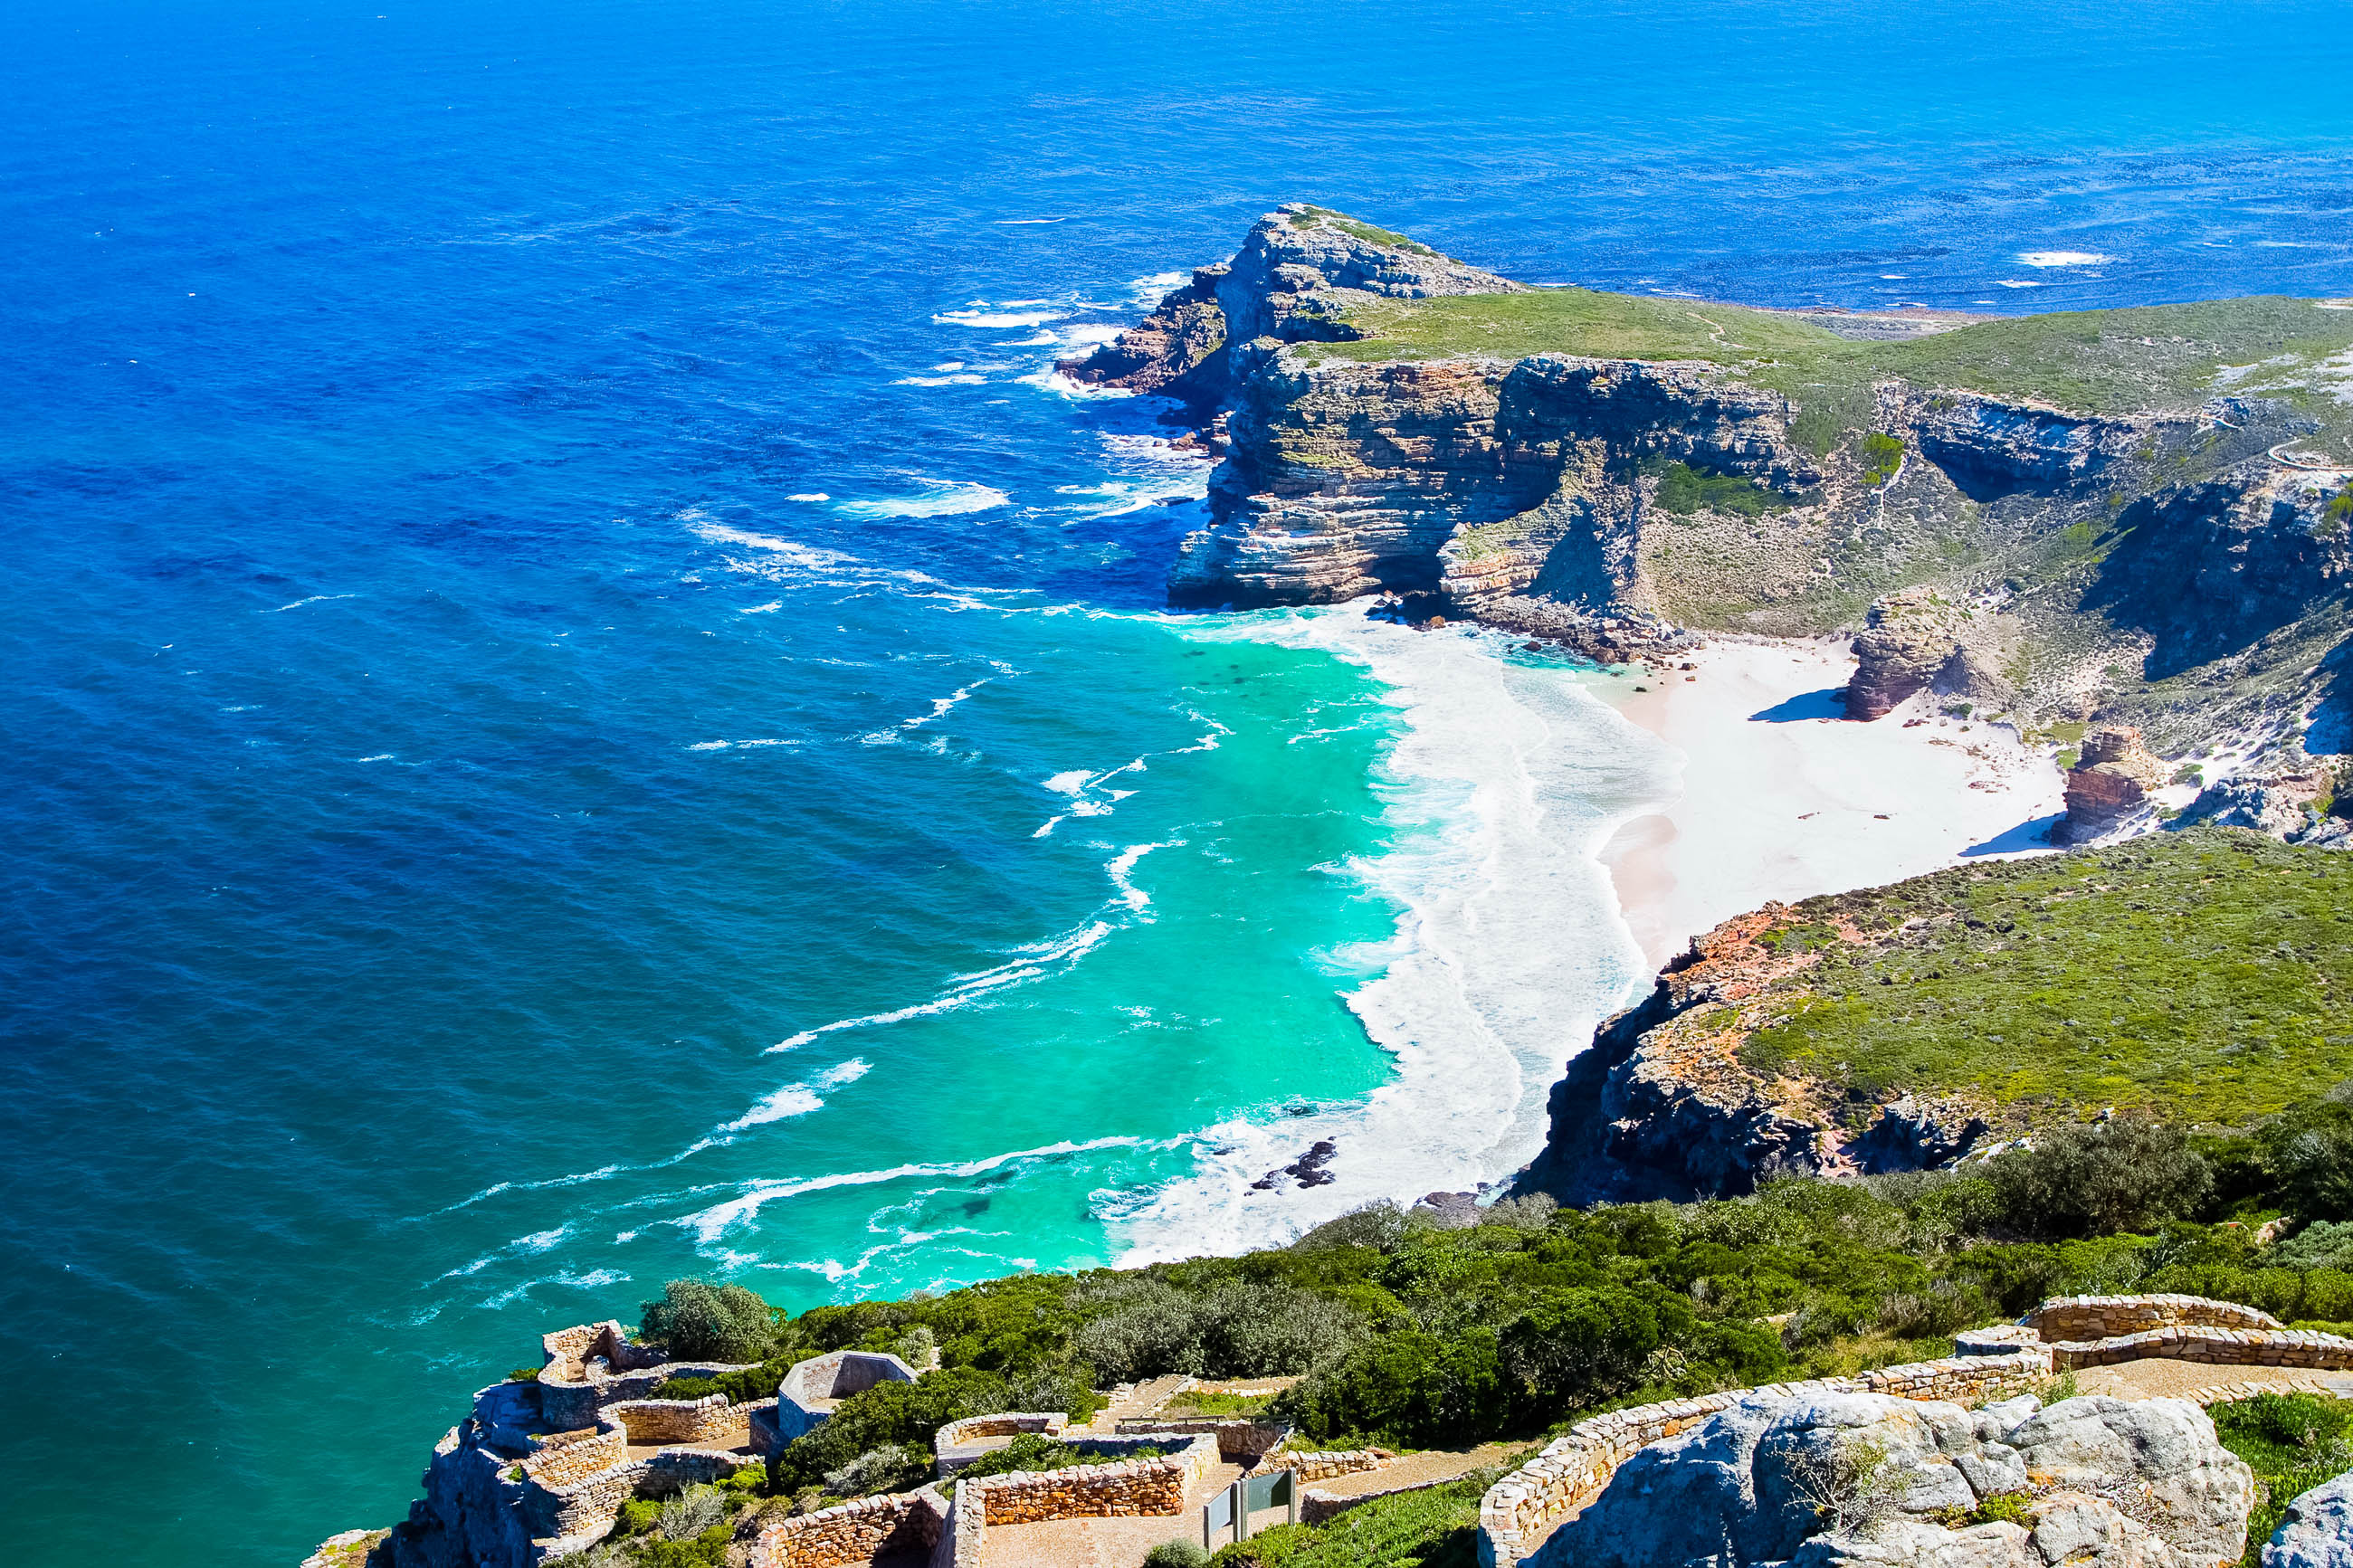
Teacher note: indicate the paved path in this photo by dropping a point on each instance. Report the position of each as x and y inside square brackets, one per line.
[2162, 1378]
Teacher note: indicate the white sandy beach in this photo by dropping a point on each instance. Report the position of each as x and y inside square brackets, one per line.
[1784, 797]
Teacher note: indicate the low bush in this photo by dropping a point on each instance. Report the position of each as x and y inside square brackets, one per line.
[700, 1319]
[2127, 1173]
[2293, 1442]
[888, 1415]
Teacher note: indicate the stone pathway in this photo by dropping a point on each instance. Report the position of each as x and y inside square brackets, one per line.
[1426, 1468]
[2159, 1377]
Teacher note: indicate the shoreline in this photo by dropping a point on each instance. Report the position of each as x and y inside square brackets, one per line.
[1781, 797]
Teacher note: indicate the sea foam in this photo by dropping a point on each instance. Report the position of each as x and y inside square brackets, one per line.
[1505, 781]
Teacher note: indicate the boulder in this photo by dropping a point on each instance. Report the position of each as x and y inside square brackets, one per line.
[2318, 1530]
[1908, 641]
[2112, 779]
[1846, 1480]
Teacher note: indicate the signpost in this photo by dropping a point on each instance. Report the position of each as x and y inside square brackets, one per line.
[1248, 1495]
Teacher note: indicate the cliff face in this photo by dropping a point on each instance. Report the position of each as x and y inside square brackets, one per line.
[1908, 1027]
[1623, 473]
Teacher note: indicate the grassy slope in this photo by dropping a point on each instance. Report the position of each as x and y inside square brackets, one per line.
[2100, 361]
[2203, 975]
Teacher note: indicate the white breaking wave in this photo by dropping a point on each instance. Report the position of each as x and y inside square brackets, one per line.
[941, 705]
[960, 380]
[798, 1098]
[595, 1279]
[314, 599]
[798, 555]
[2065, 259]
[1031, 963]
[999, 317]
[709, 1224]
[947, 497]
[1503, 783]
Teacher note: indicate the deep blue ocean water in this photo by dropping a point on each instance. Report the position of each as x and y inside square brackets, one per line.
[580, 710]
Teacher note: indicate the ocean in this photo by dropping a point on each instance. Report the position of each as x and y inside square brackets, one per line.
[584, 709]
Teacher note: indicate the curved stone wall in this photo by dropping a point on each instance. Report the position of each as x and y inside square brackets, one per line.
[1155, 1487]
[2075, 1317]
[958, 1444]
[854, 1532]
[813, 1387]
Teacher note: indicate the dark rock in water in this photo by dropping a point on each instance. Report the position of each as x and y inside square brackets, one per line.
[1308, 1169]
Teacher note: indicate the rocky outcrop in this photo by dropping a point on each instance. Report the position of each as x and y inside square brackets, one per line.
[1663, 1105]
[2318, 1530]
[1826, 1480]
[1298, 270]
[1907, 641]
[2111, 781]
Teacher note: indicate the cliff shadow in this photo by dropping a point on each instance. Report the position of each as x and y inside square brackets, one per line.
[1829, 703]
[2033, 834]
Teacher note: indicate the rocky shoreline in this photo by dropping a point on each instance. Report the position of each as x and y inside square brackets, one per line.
[2164, 562]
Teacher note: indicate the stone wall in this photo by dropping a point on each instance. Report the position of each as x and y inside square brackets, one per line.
[1319, 1467]
[958, 1444]
[564, 1458]
[710, 1421]
[1242, 1440]
[812, 1388]
[2218, 1347]
[855, 1532]
[2071, 1318]
[1136, 1487]
[1573, 1468]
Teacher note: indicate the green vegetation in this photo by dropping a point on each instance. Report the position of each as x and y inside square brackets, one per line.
[2195, 975]
[1209, 1402]
[1684, 489]
[1325, 218]
[523, 1374]
[698, 1320]
[1031, 1452]
[2103, 362]
[1881, 455]
[2293, 1443]
[1435, 1528]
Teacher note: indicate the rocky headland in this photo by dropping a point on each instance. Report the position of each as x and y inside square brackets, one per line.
[2187, 977]
[2130, 518]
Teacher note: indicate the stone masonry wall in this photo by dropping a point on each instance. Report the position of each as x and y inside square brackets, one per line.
[710, 1421]
[1154, 1488]
[2070, 1317]
[2220, 1347]
[1573, 1468]
[1320, 1466]
[1237, 1440]
[564, 1458]
[855, 1532]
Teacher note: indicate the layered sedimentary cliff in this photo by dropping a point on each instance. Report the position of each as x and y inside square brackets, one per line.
[2102, 518]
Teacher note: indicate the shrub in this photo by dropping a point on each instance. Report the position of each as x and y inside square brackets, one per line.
[1846, 1481]
[1881, 455]
[886, 1415]
[1576, 1347]
[747, 1385]
[692, 1513]
[1379, 1226]
[523, 1374]
[1177, 1555]
[698, 1320]
[2122, 1174]
[1684, 489]
[893, 1467]
[2308, 1155]
[1409, 1388]
[1234, 1331]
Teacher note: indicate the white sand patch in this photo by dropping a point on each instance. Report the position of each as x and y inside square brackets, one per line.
[1807, 801]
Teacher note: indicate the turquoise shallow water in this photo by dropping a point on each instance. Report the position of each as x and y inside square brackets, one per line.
[545, 567]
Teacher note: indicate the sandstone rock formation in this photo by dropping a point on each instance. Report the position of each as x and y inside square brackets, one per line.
[2111, 781]
[1827, 1480]
[1907, 641]
[2318, 1530]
